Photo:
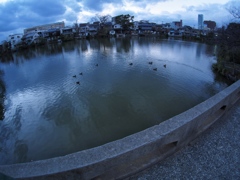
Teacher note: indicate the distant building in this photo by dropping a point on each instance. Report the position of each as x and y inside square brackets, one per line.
[56, 25]
[167, 25]
[176, 24]
[210, 24]
[145, 26]
[200, 21]
[30, 38]
[15, 40]
[114, 20]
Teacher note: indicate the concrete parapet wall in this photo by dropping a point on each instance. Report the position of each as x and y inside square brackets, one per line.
[121, 158]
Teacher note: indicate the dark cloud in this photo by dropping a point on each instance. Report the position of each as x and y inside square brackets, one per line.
[92, 5]
[144, 3]
[46, 8]
[98, 5]
[28, 13]
[118, 12]
[71, 17]
[205, 8]
[9, 14]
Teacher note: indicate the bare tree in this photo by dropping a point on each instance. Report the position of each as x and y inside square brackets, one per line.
[103, 19]
[234, 9]
[94, 19]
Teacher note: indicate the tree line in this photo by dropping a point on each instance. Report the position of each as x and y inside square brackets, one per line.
[228, 48]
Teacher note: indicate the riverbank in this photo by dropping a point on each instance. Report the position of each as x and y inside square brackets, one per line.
[231, 71]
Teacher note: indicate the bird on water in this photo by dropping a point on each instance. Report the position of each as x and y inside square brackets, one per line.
[165, 65]
[130, 64]
[74, 76]
[155, 69]
[150, 62]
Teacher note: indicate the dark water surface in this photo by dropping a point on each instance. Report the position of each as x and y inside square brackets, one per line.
[47, 114]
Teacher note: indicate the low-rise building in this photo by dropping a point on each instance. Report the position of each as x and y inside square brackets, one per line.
[176, 24]
[210, 24]
[146, 27]
[15, 40]
[57, 25]
[93, 28]
[31, 38]
[83, 29]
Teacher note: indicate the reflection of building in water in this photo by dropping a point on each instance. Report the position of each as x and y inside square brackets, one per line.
[56, 25]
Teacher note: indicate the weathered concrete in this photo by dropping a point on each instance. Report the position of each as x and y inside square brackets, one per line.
[123, 157]
[215, 154]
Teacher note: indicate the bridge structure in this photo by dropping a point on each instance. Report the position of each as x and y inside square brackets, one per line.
[122, 158]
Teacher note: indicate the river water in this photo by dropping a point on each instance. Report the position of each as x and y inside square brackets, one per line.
[49, 112]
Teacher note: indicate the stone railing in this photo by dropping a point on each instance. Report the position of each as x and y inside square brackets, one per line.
[121, 158]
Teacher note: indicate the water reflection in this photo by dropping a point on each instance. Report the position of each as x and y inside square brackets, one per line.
[123, 45]
[84, 45]
[11, 148]
[2, 95]
[7, 58]
[20, 151]
[210, 50]
[47, 114]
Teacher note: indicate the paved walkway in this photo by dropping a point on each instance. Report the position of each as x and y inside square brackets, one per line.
[213, 155]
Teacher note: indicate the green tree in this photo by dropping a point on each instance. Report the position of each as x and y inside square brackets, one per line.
[228, 51]
[126, 21]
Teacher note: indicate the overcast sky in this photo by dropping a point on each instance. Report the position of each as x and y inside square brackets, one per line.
[19, 14]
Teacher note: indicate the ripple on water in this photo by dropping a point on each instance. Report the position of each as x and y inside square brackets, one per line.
[48, 114]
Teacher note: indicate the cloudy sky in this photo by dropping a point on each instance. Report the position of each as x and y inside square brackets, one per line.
[19, 14]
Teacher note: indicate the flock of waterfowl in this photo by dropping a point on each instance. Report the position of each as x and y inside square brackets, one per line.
[150, 62]
[78, 82]
[81, 74]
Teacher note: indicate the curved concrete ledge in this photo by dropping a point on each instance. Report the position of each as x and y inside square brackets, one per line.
[123, 157]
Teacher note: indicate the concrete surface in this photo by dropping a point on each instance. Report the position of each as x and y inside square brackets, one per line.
[213, 155]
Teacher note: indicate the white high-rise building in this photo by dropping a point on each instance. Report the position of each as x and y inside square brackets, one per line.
[200, 21]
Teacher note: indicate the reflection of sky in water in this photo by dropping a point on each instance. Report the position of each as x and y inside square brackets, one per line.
[48, 114]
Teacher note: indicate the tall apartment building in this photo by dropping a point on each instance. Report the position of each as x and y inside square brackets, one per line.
[200, 21]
